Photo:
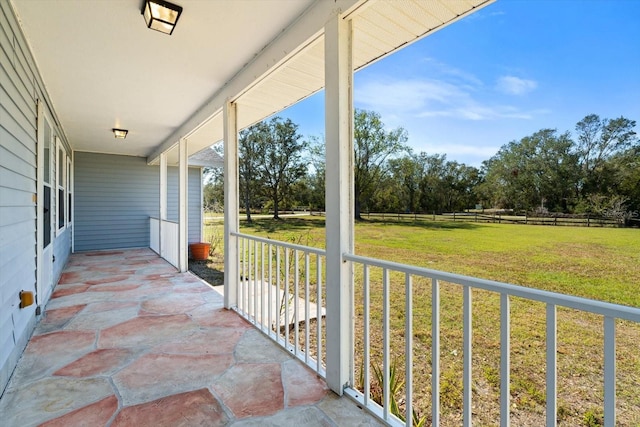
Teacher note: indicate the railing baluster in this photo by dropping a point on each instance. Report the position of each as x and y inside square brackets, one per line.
[609, 371]
[243, 276]
[408, 350]
[262, 289]
[296, 303]
[435, 352]
[467, 333]
[278, 305]
[552, 365]
[319, 316]
[255, 282]
[270, 287]
[286, 299]
[248, 278]
[505, 360]
[307, 315]
[365, 335]
[385, 343]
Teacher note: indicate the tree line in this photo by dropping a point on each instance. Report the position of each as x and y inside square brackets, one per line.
[597, 171]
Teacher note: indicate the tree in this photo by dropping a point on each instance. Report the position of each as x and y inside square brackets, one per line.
[407, 173]
[540, 170]
[317, 172]
[281, 162]
[251, 144]
[373, 145]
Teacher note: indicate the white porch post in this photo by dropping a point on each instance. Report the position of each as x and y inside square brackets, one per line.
[163, 200]
[231, 190]
[339, 198]
[183, 220]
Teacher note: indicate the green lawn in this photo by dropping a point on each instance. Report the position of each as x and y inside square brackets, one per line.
[598, 263]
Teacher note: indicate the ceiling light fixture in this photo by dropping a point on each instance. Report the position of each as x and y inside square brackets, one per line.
[120, 133]
[161, 15]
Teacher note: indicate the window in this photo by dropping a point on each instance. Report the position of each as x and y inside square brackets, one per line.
[47, 225]
[61, 168]
[69, 190]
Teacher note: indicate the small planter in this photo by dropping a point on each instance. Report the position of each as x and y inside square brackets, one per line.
[199, 251]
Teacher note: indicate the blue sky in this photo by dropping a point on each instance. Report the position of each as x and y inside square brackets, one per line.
[509, 70]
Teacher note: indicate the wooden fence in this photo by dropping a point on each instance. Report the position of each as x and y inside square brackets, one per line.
[507, 218]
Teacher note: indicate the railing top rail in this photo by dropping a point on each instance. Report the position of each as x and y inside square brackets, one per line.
[599, 307]
[293, 246]
[164, 220]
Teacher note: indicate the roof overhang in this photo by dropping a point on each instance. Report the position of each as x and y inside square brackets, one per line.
[103, 68]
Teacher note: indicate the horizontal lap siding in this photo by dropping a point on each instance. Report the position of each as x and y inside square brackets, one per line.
[193, 200]
[114, 198]
[116, 195]
[195, 205]
[17, 191]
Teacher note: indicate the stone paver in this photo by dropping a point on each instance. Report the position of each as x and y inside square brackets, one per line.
[128, 341]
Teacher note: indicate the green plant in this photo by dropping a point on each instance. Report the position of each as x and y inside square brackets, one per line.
[215, 240]
[593, 418]
[492, 376]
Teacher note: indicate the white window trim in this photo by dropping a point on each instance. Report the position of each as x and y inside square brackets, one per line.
[69, 193]
[60, 186]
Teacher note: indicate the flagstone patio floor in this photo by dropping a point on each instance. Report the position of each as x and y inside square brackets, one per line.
[126, 340]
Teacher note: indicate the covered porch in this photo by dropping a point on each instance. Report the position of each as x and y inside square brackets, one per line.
[128, 340]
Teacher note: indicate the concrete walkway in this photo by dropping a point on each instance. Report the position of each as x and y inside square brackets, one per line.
[128, 341]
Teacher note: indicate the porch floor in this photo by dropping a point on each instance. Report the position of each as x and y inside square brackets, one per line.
[128, 341]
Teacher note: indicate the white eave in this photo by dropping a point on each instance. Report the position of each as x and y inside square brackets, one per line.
[103, 68]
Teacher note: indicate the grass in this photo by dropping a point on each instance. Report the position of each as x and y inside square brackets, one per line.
[596, 263]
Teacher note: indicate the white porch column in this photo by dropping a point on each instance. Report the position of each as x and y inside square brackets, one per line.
[339, 198]
[163, 200]
[183, 220]
[231, 190]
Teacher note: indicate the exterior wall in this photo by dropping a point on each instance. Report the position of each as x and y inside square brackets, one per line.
[194, 200]
[61, 252]
[116, 195]
[20, 90]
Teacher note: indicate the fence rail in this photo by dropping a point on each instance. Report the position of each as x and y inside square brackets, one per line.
[506, 218]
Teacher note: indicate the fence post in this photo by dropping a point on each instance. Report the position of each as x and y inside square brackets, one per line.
[588, 221]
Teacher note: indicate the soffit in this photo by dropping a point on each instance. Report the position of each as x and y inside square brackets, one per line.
[103, 68]
[380, 27]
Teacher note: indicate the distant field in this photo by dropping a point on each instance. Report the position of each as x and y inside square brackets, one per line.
[597, 263]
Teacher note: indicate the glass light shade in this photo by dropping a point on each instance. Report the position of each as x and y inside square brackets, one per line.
[161, 16]
[120, 133]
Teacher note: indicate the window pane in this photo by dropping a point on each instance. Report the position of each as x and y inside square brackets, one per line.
[60, 208]
[61, 167]
[46, 230]
[47, 152]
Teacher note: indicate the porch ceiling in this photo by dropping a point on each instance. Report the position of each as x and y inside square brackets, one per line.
[103, 68]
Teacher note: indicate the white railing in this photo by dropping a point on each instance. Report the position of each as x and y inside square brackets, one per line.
[280, 291]
[406, 274]
[154, 235]
[165, 241]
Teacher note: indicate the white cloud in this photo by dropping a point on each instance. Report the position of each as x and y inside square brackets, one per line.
[512, 85]
[398, 100]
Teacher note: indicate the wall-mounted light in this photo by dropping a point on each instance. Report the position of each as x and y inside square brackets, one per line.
[120, 133]
[161, 15]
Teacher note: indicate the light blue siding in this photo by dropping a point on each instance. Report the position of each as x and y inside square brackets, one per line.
[20, 89]
[116, 195]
